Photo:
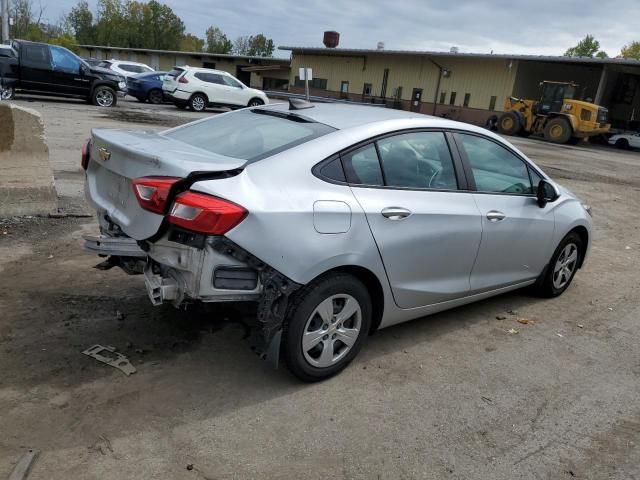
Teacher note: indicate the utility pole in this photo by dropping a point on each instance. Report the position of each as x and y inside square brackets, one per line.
[5, 21]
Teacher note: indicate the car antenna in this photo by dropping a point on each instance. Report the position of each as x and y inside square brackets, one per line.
[299, 104]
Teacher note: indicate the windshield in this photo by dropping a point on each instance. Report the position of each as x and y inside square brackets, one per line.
[249, 134]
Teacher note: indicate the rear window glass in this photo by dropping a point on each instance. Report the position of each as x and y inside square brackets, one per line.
[175, 72]
[249, 134]
[133, 68]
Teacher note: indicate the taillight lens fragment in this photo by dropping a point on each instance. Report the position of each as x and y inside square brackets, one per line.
[182, 79]
[203, 213]
[152, 192]
[86, 152]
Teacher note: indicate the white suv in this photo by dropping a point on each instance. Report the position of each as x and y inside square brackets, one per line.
[199, 87]
[127, 69]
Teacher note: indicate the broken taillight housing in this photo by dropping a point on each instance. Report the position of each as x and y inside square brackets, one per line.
[86, 153]
[207, 214]
[183, 79]
[152, 192]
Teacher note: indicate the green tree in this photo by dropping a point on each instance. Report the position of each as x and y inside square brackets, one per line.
[191, 43]
[80, 20]
[217, 41]
[254, 45]
[25, 21]
[587, 47]
[631, 50]
[162, 28]
[65, 40]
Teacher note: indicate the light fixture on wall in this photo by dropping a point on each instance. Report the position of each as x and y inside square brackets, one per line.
[446, 73]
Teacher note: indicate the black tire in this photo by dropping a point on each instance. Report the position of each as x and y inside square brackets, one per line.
[198, 102]
[8, 93]
[558, 130]
[509, 123]
[545, 286]
[104, 96]
[181, 105]
[155, 96]
[255, 102]
[574, 140]
[622, 143]
[299, 316]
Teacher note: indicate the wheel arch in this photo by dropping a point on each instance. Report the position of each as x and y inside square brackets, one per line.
[583, 233]
[372, 283]
[200, 92]
[103, 83]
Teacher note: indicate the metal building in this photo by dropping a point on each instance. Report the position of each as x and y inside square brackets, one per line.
[266, 73]
[464, 86]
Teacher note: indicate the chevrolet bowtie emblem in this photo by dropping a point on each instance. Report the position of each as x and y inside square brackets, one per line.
[104, 154]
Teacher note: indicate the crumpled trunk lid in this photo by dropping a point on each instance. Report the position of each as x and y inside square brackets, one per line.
[118, 156]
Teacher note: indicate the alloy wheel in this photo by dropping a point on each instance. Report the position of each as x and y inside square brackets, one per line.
[104, 98]
[331, 330]
[565, 266]
[198, 103]
[6, 93]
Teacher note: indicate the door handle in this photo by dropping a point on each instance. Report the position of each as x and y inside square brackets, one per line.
[395, 213]
[495, 216]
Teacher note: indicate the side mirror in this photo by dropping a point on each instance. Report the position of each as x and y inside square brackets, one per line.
[547, 193]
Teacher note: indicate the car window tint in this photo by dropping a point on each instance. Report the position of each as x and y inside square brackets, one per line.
[230, 81]
[127, 67]
[495, 169]
[333, 170]
[36, 54]
[249, 134]
[362, 166]
[418, 160]
[175, 73]
[63, 60]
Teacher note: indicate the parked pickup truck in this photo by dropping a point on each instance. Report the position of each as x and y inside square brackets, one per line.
[42, 69]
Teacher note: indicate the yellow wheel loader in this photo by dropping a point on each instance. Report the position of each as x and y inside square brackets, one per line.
[556, 116]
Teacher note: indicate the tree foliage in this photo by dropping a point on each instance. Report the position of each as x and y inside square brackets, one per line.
[254, 45]
[80, 21]
[631, 51]
[587, 47]
[191, 43]
[217, 41]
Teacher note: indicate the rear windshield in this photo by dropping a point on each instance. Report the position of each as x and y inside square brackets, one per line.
[175, 72]
[250, 134]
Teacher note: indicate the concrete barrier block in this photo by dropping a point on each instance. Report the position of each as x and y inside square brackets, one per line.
[26, 179]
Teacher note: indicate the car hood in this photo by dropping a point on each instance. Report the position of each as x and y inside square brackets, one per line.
[105, 72]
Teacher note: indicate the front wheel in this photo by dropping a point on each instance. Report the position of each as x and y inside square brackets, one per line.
[327, 323]
[155, 96]
[104, 96]
[255, 102]
[509, 123]
[562, 267]
[558, 130]
[622, 143]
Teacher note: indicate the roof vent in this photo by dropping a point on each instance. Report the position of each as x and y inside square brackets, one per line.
[380, 45]
[454, 50]
[299, 104]
[331, 39]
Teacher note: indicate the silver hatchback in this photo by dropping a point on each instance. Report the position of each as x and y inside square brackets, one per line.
[335, 219]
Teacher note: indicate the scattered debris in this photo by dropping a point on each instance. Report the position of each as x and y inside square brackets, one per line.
[513, 331]
[50, 256]
[102, 445]
[501, 317]
[23, 467]
[526, 321]
[560, 335]
[486, 400]
[610, 309]
[512, 312]
[580, 325]
[119, 315]
[627, 247]
[120, 361]
[190, 466]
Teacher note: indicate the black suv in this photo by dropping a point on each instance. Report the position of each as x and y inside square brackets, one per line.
[42, 69]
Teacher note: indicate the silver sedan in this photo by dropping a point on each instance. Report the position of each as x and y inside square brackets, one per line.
[336, 220]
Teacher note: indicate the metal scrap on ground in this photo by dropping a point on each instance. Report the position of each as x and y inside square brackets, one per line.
[120, 361]
[23, 467]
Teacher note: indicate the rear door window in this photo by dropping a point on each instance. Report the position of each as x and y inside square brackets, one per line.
[36, 55]
[249, 134]
[362, 166]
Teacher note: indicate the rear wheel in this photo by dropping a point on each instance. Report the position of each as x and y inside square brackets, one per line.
[7, 93]
[104, 96]
[255, 102]
[557, 130]
[198, 102]
[562, 267]
[622, 143]
[155, 96]
[509, 123]
[327, 324]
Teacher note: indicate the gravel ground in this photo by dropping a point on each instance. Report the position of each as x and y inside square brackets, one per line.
[452, 396]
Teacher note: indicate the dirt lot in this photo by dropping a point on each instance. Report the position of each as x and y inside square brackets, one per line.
[452, 396]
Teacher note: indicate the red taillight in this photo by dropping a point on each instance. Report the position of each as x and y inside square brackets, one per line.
[182, 79]
[86, 152]
[152, 192]
[205, 214]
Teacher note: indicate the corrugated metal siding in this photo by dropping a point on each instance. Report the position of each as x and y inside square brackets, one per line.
[482, 78]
